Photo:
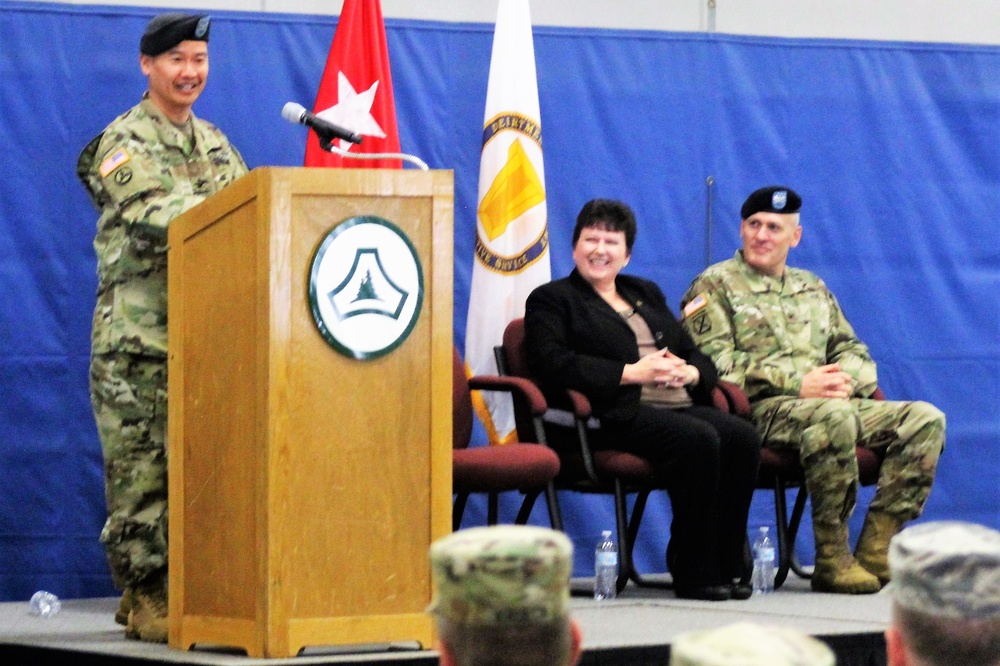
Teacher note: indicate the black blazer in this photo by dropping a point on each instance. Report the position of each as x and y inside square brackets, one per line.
[576, 340]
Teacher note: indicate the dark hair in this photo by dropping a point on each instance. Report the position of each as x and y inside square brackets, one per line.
[539, 644]
[941, 641]
[607, 214]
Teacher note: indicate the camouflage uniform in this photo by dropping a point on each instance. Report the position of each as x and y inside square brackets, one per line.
[764, 334]
[748, 644]
[502, 575]
[141, 172]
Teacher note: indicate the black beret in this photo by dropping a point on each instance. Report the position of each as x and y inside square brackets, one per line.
[168, 30]
[771, 199]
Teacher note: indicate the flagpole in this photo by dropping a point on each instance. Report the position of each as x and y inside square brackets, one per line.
[511, 255]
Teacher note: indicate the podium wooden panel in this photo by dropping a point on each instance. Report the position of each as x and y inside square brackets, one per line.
[305, 487]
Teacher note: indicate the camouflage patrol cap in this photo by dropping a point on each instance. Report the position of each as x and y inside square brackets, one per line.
[747, 644]
[771, 199]
[501, 575]
[166, 31]
[948, 569]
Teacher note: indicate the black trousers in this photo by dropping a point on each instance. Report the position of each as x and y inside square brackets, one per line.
[707, 461]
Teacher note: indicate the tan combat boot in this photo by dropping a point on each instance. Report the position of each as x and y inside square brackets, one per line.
[872, 551]
[836, 569]
[124, 606]
[147, 620]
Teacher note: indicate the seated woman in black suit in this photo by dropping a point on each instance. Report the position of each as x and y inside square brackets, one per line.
[613, 338]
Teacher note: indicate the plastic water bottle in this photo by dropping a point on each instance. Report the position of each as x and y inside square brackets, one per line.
[44, 604]
[606, 567]
[763, 563]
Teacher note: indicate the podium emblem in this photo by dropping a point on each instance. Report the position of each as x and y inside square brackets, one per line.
[366, 287]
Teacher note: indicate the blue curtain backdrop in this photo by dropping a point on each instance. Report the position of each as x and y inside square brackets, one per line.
[892, 145]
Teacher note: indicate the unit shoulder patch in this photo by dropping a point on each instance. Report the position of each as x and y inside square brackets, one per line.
[701, 324]
[114, 160]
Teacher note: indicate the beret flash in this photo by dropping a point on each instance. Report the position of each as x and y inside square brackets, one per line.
[771, 199]
[166, 31]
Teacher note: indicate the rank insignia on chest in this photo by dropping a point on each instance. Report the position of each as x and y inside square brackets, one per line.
[115, 160]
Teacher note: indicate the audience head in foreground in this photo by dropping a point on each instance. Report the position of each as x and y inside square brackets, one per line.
[501, 597]
[747, 644]
[945, 596]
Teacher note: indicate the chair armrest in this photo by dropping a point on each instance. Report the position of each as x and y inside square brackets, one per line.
[523, 388]
[579, 405]
[571, 401]
[719, 400]
[737, 400]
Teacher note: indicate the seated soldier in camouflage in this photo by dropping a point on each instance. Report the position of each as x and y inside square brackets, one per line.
[779, 333]
[501, 597]
[148, 166]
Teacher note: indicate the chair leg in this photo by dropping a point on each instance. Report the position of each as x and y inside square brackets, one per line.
[793, 530]
[555, 513]
[526, 506]
[747, 577]
[638, 509]
[493, 509]
[627, 543]
[457, 510]
[781, 516]
[625, 569]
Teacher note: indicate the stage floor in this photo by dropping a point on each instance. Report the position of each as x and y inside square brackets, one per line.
[636, 628]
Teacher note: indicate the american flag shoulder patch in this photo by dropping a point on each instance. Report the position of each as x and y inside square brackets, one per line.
[696, 303]
[115, 160]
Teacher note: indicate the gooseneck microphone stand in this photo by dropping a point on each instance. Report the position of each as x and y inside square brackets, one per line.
[328, 146]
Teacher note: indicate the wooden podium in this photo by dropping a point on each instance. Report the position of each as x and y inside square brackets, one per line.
[305, 486]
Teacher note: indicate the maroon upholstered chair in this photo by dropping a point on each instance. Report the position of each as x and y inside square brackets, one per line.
[529, 468]
[585, 470]
[781, 470]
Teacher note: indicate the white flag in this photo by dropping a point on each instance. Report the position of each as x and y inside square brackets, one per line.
[512, 239]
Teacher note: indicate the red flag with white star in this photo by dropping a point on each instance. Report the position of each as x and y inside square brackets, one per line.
[356, 90]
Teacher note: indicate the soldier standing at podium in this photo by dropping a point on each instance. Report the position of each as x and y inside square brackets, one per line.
[148, 166]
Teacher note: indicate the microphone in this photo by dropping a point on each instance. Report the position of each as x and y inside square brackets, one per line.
[327, 131]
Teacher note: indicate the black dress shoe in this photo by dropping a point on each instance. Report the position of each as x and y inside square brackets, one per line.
[740, 591]
[704, 592]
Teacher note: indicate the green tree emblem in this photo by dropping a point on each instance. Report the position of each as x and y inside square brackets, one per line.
[366, 290]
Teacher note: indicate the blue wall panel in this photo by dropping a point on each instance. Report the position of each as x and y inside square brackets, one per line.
[892, 145]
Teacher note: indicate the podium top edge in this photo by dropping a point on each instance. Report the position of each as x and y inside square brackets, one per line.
[362, 182]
